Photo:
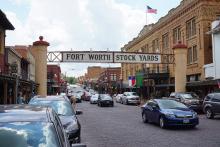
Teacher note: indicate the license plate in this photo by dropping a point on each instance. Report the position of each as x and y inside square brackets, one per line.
[107, 102]
[186, 121]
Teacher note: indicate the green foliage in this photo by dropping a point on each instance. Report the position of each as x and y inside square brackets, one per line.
[71, 80]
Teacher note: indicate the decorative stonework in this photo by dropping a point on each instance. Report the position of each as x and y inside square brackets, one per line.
[41, 42]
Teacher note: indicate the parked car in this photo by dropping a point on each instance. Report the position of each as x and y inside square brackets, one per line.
[86, 96]
[167, 112]
[105, 100]
[94, 99]
[66, 114]
[130, 98]
[188, 98]
[211, 105]
[118, 98]
[25, 126]
[78, 97]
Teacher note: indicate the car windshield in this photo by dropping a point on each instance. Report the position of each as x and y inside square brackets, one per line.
[131, 93]
[170, 104]
[187, 96]
[194, 95]
[95, 96]
[28, 134]
[106, 97]
[61, 107]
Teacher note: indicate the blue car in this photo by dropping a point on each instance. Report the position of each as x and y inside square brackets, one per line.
[167, 113]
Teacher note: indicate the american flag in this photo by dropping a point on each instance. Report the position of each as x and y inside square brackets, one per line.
[150, 10]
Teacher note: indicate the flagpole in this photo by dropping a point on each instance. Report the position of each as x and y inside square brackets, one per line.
[146, 18]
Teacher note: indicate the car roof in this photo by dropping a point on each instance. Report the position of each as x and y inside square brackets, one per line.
[24, 113]
[159, 99]
[51, 98]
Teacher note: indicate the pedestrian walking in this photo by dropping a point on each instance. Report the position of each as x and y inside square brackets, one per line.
[20, 99]
[73, 101]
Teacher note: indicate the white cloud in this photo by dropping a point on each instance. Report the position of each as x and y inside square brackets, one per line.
[78, 24]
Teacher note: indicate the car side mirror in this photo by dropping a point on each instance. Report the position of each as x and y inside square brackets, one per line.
[78, 145]
[178, 99]
[79, 112]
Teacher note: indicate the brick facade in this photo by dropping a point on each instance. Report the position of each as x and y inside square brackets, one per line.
[202, 11]
[94, 72]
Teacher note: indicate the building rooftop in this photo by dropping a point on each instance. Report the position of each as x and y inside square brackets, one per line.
[4, 22]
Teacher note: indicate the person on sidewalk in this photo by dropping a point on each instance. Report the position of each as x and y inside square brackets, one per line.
[73, 101]
[20, 99]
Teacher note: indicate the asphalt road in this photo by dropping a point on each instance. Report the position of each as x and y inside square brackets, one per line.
[122, 126]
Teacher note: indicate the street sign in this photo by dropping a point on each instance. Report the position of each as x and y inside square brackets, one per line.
[109, 57]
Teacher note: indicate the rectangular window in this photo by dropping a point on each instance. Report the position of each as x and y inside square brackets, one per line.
[176, 35]
[189, 56]
[155, 46]
[192, 55]
[165, 41]
[145, 49]
[190, 28]
[195, 56]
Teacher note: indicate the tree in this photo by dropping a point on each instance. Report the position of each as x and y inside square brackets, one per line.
[71, 80]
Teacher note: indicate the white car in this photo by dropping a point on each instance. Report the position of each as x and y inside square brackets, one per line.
[118, 98]
[130, 98]
[94, 99]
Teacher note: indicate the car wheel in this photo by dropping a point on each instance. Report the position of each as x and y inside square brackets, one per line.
[144, 118]
[209, 113]
[78, 140]
[161, 122]
[126, 102]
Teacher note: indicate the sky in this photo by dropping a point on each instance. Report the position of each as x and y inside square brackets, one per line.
[80, 25]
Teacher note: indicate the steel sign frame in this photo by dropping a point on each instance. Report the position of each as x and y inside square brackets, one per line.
[109, 57]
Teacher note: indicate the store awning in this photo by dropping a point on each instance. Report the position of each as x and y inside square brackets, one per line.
[202, 83]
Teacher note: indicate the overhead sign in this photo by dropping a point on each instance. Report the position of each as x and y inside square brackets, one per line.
[121, 57]
[104, 57]
[92, 57]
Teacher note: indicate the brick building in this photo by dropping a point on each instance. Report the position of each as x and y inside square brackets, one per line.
[189, 23]
[109, 80]
[7, 81]
[94, 72]
[54, 81]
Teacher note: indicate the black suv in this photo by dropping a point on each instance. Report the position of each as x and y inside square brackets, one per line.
[190, 99]
[211, 105]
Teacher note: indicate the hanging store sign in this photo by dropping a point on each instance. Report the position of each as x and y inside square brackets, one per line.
[104, 57]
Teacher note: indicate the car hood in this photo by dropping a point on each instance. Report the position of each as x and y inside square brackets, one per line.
[192, 100]
[178, 111]
[68, 120]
